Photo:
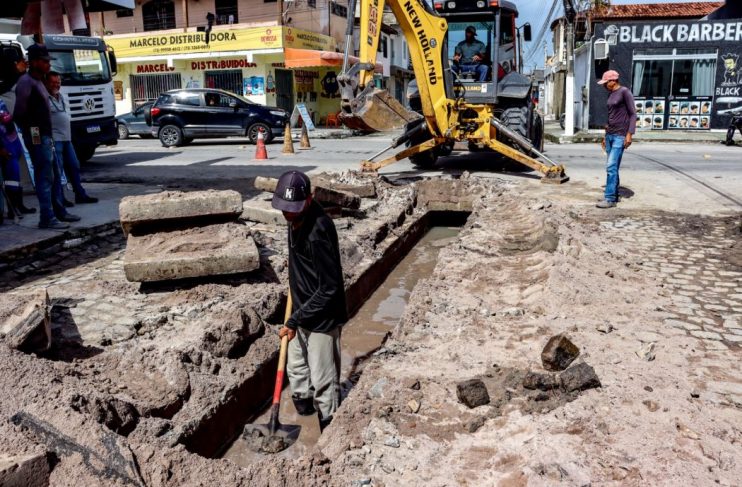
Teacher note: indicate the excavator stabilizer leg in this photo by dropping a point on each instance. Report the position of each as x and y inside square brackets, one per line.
[375, 110]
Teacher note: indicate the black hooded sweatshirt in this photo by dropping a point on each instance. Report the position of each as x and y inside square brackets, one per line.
[315, 274]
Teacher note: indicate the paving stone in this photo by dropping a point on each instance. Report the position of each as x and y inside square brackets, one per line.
[178, 205]
[197, 252]
[558, 353]
[26, 323]
[733, 338]
[706, 335]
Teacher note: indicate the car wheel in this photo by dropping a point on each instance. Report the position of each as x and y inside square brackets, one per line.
[252, 133]
[171, 136]
[123, 131]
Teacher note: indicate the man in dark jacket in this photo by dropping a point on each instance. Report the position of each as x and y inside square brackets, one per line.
[318, 297]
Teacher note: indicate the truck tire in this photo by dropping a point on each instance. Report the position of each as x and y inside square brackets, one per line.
[84, 153]
[171, 136]
[424, 160]
[516, 118]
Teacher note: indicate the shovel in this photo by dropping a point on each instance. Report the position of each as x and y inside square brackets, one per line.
[274, 436]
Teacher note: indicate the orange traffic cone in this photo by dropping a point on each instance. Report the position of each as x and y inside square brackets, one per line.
[288, 144]
[260, 151]
[304, 141]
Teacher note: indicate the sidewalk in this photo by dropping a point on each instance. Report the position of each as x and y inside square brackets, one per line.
[25, 239]
[555, 134]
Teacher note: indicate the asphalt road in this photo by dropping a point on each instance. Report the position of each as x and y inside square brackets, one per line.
[697, 178]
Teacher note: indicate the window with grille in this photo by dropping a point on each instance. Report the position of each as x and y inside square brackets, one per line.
[226, 11]
[148, 87]
[228, 79]
[158, 15]
[125, 12]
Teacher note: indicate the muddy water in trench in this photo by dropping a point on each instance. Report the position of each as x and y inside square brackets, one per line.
[362, 335]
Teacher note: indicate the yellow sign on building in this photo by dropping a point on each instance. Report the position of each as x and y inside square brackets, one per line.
[142, 45]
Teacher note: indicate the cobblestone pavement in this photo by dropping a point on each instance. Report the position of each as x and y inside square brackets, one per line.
[690, 257]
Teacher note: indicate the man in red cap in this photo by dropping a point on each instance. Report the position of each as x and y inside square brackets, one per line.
[318, 299]
[618, 133]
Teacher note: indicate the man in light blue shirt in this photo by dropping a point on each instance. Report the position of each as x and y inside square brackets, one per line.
[469, 55]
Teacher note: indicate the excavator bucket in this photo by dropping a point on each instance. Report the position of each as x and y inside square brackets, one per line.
[376, 111]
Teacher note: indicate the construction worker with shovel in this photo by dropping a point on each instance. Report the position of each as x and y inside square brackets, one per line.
[318, 299]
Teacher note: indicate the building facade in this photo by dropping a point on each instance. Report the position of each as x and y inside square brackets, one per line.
[160, 45]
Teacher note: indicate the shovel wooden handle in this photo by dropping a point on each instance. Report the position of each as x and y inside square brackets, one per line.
[282, 356]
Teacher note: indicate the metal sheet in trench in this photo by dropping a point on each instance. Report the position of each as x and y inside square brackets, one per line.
[361, 336]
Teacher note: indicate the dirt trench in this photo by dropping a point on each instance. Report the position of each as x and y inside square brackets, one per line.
[146, 383]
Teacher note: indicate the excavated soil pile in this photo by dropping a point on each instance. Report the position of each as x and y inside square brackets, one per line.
[144, 383]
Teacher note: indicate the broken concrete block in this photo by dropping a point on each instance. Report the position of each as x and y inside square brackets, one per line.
[542, 382]
[473, 393]
[211, 250]
[335, 197]
[119, 416]
[262, 211]
[25, 322]
[29, 470]
[579, 377]
[146, 210]
[365, 190]
[558, 353]
[326, 195]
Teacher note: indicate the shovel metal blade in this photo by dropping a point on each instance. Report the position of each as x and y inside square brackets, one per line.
[259, 438]
[377, 111]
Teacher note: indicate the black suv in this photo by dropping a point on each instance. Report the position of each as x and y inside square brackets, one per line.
[179, 116]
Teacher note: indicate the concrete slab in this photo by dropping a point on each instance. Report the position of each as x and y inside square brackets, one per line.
[260, 210]
[28, 470]
[323, 192]
[144, 210]
[219, 249]
[26, 325]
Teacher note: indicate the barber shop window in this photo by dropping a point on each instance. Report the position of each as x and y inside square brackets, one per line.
[158, 15]
[677, 72]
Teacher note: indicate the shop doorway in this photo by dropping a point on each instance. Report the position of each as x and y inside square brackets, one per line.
[285, 89]
[229, 80]
[148, 87]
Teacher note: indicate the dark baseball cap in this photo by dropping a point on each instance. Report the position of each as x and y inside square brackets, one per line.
[38, 51]
[292, 191]
[471, 29]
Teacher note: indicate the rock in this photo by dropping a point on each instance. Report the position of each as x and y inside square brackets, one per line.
[579, 377]
[605, 328]
[261, 211]
[511, 312]
[646, 352]
[543, 382]
[266, 184]
[178, 206]
[211, 250]
[362, 482]
[473, 393]
[413, 384]
[377, 390]
[651, 405]
[392, 441]
[25, 322]
[414, 406]
[558, 353]
[648, 389]
[473, 425]
[695, 394]
[29, 470]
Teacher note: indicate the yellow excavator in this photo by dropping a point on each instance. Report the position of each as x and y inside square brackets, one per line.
[465, 56]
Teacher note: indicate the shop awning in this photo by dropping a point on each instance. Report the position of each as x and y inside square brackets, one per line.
[309, 58]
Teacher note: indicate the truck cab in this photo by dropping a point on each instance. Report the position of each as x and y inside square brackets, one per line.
[86, 68]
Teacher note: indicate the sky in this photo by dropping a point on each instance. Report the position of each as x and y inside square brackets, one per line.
[533, 11]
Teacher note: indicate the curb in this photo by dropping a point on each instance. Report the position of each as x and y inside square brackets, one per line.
[595, 139]
[18, 258]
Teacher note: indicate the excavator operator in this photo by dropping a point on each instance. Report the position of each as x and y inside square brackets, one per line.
[469, 55]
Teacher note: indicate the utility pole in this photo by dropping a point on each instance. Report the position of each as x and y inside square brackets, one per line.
[569, 109]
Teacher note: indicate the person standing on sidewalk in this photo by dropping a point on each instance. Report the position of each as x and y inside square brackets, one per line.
[62, 134]
[33, 116]
[318, 297]
[618, 133]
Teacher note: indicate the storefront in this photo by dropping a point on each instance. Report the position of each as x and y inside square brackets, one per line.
[247, 61]
[685, 75]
